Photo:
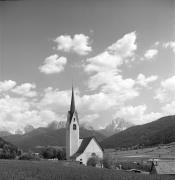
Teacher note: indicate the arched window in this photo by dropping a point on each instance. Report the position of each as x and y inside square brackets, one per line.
[74, 127]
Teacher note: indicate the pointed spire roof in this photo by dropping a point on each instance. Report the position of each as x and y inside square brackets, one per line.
[72, 106]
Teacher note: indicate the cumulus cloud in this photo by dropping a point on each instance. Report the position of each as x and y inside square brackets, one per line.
[26, 89]
[89, 118]
[78, 44]
[7, 85]
[150, 54]
[103, 62]
[18, 112]
[137, 114]
[166, 92]
[170, 45]
[53, 64]
[124, 47]
[114, 56]
[54, 98]
[169, 108]
[104, 71]
[145, 81]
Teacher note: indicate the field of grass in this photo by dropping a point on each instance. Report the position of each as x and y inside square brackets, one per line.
[58, 170]
[160, 152]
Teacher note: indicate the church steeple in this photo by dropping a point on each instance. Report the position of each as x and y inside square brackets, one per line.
[72, 129]
[72, 106]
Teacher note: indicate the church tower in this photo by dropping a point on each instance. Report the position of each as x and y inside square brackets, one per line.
[72, 129]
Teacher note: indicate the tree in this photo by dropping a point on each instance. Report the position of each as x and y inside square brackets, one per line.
[93, 161]
[61, 154]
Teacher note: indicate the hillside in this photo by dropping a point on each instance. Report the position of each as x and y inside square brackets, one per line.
[161, 131]
[7, 150]
[47, 137]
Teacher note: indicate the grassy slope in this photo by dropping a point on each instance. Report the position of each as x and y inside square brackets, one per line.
[45, 170]
[156, 132]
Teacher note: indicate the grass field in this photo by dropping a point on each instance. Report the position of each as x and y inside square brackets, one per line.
[160, 152]
[58, 170]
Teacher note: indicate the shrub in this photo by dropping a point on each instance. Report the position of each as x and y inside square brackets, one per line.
[93, 161]
[51, 153]
[29, 156]
[108, 162]
[61, 154]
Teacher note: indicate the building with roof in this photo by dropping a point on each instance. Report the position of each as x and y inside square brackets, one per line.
[163, 167]
[76, 148]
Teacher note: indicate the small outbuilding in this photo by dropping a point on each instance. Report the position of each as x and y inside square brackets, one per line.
[163, 167]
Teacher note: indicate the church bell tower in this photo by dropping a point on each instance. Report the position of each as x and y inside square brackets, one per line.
[72, 129]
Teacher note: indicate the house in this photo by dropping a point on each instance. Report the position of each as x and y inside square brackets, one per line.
[76, 148]
[163, 167]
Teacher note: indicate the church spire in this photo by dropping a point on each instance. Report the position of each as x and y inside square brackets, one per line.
[72, 106]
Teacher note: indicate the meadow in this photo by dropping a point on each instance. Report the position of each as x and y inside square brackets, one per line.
[59, 170]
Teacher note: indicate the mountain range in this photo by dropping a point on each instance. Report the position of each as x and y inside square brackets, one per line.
[54, 134]
[161, 131]
[46, 137]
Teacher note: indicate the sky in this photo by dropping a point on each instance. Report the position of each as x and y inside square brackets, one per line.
[119, 55]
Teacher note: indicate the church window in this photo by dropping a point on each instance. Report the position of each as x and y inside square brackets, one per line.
[74, 127]
[74, 119]
[81, 161]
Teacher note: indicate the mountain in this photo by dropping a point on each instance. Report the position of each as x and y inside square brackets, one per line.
[57, 125]
[115, 126]
[161, 131]
[4, 133]
[28, 128]
[47, 137]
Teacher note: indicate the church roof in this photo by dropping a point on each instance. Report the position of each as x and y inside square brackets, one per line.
[83, 146]
[72, 110]
[72, 106]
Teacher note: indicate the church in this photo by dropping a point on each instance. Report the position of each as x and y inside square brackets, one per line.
[79, 149]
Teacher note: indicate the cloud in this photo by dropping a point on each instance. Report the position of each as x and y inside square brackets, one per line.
[55, 99]
[170, 45]
[26, 89]
[103, 62]
[53, 64]
[78, 44]
[104, 71]
[150, 54]
[7, 85]
[17, 112]
[166, 92]
[124, 47]
[114, 56]
[89, 118]
[137, 114]
[144, 81]
[169, 109]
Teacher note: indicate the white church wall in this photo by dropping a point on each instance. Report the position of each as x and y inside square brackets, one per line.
[92, 147]
[80, 141]
[74, 136]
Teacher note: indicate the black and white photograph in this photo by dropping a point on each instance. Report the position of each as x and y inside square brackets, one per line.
[87, 89]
